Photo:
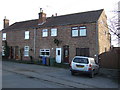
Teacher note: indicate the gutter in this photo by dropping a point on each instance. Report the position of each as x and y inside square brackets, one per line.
[97, 43]
[34, 43]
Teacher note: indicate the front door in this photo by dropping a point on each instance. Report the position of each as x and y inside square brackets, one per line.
[58, 55]
[11, 53]
[66, 53]
[16, 52]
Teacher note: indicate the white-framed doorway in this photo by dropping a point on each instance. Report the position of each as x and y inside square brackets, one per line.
[58, 55]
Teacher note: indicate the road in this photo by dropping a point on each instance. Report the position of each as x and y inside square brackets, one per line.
[17, 75]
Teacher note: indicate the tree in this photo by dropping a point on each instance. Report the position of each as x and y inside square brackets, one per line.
[6, 50]
[57, 42]
[114, 24]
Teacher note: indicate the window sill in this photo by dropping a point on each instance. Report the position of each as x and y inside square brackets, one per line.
[53, 36]
[78, 36]
[26, 56]
[26, 39]
[45, 37]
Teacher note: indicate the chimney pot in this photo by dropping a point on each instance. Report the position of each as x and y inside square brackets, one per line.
[40, 9]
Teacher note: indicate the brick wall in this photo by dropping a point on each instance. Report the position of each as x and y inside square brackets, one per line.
[103, 34]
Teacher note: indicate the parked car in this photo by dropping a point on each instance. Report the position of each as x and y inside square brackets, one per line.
[81, 64]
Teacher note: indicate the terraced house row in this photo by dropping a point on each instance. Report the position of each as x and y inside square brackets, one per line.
[61, 37]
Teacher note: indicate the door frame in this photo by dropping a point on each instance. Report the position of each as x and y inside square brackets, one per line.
[58, 55]
[66, 57]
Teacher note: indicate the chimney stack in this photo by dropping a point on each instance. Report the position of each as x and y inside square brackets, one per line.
[42, 17]
[6, 23]
[55, 14]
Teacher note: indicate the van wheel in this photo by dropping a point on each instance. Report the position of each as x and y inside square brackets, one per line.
[72, 73]
[92, 74]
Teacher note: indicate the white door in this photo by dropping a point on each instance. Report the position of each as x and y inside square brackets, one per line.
[58, 55]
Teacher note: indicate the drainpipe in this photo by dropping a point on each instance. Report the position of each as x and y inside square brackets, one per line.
[97, 41]
[34, 46]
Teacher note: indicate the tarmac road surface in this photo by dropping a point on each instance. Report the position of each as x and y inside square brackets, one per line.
[17, 75]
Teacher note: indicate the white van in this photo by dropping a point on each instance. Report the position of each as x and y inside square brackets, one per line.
[81, 64]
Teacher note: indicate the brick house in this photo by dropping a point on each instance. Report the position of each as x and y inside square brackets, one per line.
[62, 37]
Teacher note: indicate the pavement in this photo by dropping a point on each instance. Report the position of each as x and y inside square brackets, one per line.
[113, 73]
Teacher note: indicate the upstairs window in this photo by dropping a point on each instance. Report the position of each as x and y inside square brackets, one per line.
[27, 34]
[74, 31]
[83, 31]
[26, 51]
[45, 52]
[4, 36]
[44, 32]
[54, 32]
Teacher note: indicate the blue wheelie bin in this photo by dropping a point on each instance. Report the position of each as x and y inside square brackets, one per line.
[44, 60]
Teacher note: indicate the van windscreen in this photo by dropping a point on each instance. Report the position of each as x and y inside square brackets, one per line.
[81, 60]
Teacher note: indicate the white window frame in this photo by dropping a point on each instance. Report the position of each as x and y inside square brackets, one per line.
[83, 31]
[74, 31]
[4, 36]
[44, 32]
[27, 34]
[3, 51]
[43, 52]
[26, 51]
[54, 32]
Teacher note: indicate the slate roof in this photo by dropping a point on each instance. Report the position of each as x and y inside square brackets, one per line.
[76, 18]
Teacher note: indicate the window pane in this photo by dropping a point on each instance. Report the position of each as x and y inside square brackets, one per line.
[66, 52]
[58, 52]
[83, 27]
[26, 48]
[41, 50]
[82, 32]
[45, 52]
[74, 28]
[26, 51]
[81, 60]
[44, 30]
[26, 34]
[42, 53]
[44, 33]
[74, 32]
[4, 36]
[54, 32]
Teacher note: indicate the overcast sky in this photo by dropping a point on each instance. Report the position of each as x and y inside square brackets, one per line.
[21, 10]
